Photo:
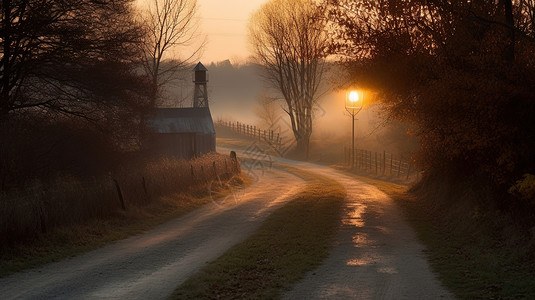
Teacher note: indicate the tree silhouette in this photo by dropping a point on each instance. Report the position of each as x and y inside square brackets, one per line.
[461, 71]
[169, 24]
[289, 41]
[73, 58]
[68, 73]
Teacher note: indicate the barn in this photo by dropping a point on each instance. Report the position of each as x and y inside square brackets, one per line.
[183, 132]
[186, 132]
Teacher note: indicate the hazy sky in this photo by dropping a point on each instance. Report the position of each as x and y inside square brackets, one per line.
[224, 23]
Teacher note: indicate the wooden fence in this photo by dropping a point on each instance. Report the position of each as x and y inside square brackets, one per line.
[384, 164]
[25, 214]
[254, 132]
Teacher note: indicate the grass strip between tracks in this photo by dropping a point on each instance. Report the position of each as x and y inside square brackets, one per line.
[292, 241]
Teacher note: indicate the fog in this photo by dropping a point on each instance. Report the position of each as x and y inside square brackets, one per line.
[234, 91]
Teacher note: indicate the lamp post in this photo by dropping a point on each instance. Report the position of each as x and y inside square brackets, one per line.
[354, 103]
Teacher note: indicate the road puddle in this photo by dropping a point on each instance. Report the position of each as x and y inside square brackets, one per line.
[361, 240]
[355, 216]
[364, 260]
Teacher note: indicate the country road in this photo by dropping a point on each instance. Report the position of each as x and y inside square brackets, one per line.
[376, 255]
[152, 264]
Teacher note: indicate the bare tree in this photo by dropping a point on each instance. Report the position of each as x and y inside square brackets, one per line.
[66, 62]
[170, 24]
[289, 40]
[74, 58]
[267, 109]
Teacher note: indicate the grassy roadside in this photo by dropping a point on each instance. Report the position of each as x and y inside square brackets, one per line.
[477, 252]
[293, 240]
[389, 188]
[68, 241]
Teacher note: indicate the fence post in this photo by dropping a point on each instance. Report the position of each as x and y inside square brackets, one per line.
[358, 158]
[361, 159]
[391, 159]
[145, 186]
[375, 163]
[384, 162]
[353, 157]
[119, 193]
[399, 167]
[234, 159]
[202, 173]
[215, 169]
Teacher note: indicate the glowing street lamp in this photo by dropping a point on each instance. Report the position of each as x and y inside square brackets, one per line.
[354, 103]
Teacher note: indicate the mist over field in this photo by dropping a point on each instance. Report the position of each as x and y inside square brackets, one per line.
[235, 90]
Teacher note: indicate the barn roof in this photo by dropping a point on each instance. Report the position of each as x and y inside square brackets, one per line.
[183, 120]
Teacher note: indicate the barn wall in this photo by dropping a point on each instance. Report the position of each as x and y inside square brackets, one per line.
[205, 142]
[183, 145]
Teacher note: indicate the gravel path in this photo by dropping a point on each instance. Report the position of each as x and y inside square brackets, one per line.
[376, 255]
[151, 265]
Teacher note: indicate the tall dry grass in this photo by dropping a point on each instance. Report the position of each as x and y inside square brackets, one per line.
[41, 207]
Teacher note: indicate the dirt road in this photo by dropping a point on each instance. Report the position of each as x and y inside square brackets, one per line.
[376, 256]
[151, 265]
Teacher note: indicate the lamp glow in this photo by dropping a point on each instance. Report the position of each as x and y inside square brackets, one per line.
[353, 96]
[354, 103]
